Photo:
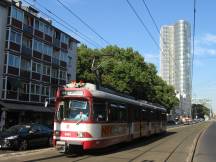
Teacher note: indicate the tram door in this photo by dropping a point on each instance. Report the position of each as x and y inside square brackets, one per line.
[130, 119]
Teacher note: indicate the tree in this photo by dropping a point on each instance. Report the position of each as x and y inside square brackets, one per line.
[199, 110]
[126, 72]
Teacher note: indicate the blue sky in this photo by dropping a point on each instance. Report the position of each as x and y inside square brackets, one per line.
[116, 23]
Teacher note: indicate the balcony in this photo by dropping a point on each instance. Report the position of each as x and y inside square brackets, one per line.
[26, 52]
[55, 61]
[64, 46]
[27, 29]
[38, 33]
[15, 46]
[63, 64]
[24, 74]
[16, 23]
[47, 58]
[48, 38]
[56, 43]
[37, 54]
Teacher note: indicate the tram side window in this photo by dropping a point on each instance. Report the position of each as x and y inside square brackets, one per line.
[159, 116]
[136, 114]
[118, 113]
[100, 112]
[144, 114]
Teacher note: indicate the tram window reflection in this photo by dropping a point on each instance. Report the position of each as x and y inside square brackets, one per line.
[99, 112]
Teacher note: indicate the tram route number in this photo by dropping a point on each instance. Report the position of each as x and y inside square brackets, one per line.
[113, 130]
[106, 130]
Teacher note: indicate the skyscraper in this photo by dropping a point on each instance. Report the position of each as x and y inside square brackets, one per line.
[176, 62]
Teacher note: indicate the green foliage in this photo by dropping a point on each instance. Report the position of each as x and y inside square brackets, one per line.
[199, 110]
[126, 71]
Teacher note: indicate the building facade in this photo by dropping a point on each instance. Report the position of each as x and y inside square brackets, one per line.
[35, 59]
[176, 61]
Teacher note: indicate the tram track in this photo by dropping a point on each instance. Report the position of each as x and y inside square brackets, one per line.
[164, 142]
[162, 148]
[191, 159]
[150, 140]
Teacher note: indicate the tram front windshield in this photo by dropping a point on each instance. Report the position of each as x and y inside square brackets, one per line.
[76, 110]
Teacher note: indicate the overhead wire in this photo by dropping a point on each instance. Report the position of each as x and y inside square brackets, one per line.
[48, 10]
[194, 31]
[69, 27]
[143, 24]
[152, 18]
[82, 21]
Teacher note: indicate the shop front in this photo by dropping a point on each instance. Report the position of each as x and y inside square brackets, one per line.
[16, 113]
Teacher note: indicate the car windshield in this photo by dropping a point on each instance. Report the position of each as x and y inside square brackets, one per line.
[75, 110]
[18, 129]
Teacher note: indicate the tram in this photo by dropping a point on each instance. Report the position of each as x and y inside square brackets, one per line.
[90, 118]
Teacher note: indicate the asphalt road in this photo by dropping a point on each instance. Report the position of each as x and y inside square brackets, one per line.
[206, 147]
[175, 146]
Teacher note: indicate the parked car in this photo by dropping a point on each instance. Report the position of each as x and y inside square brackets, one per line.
[172, 122]
[22, 137]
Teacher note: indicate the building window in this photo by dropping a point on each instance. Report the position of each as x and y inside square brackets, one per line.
[53, 92]
[39, 25]
[63, 56]
[26, 42]
[24, 88]
[15, 37]
[71, 45]
[35, 89]
[25, 65]
[64, 38]
[13, 61]
[13, 84]
[17, 13]
[36, 67]
[48, 29]
[45, 91]
[47, 50]
[62, 75]
[46, 70]
[55, 73]
[38, 46]
[69, 60]
[28, 20]
[57, 35]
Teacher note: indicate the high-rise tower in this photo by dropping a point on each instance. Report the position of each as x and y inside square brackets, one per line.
[175, 61]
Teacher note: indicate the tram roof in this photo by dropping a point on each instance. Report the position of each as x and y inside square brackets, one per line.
[106, 95]
[112, 95]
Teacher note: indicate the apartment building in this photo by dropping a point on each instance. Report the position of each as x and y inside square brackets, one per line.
[176, 62]
[35, 58]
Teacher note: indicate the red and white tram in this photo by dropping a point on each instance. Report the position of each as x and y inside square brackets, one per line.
[89, 118]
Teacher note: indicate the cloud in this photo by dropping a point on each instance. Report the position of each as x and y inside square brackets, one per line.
[152, 58]
[204, 51]
[205, 45]
[210, 38]
[198, 62]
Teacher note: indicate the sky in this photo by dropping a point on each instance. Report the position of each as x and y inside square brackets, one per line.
[115, 22]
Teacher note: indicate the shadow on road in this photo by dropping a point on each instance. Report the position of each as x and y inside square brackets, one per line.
[111, 149]
[128, 145]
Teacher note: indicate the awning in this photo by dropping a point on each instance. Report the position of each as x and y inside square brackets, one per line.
[25, 107]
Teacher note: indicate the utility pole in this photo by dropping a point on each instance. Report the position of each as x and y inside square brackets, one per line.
[95, 70]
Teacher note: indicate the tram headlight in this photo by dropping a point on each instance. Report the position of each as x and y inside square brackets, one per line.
[80, 134]
[57, 133]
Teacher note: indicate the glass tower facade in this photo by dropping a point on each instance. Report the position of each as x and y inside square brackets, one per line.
[176, 61]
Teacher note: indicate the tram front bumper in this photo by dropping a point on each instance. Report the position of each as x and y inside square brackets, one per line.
[65, 146]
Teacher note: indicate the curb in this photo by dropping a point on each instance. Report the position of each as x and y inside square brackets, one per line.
[20, 153]
[194, 144]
